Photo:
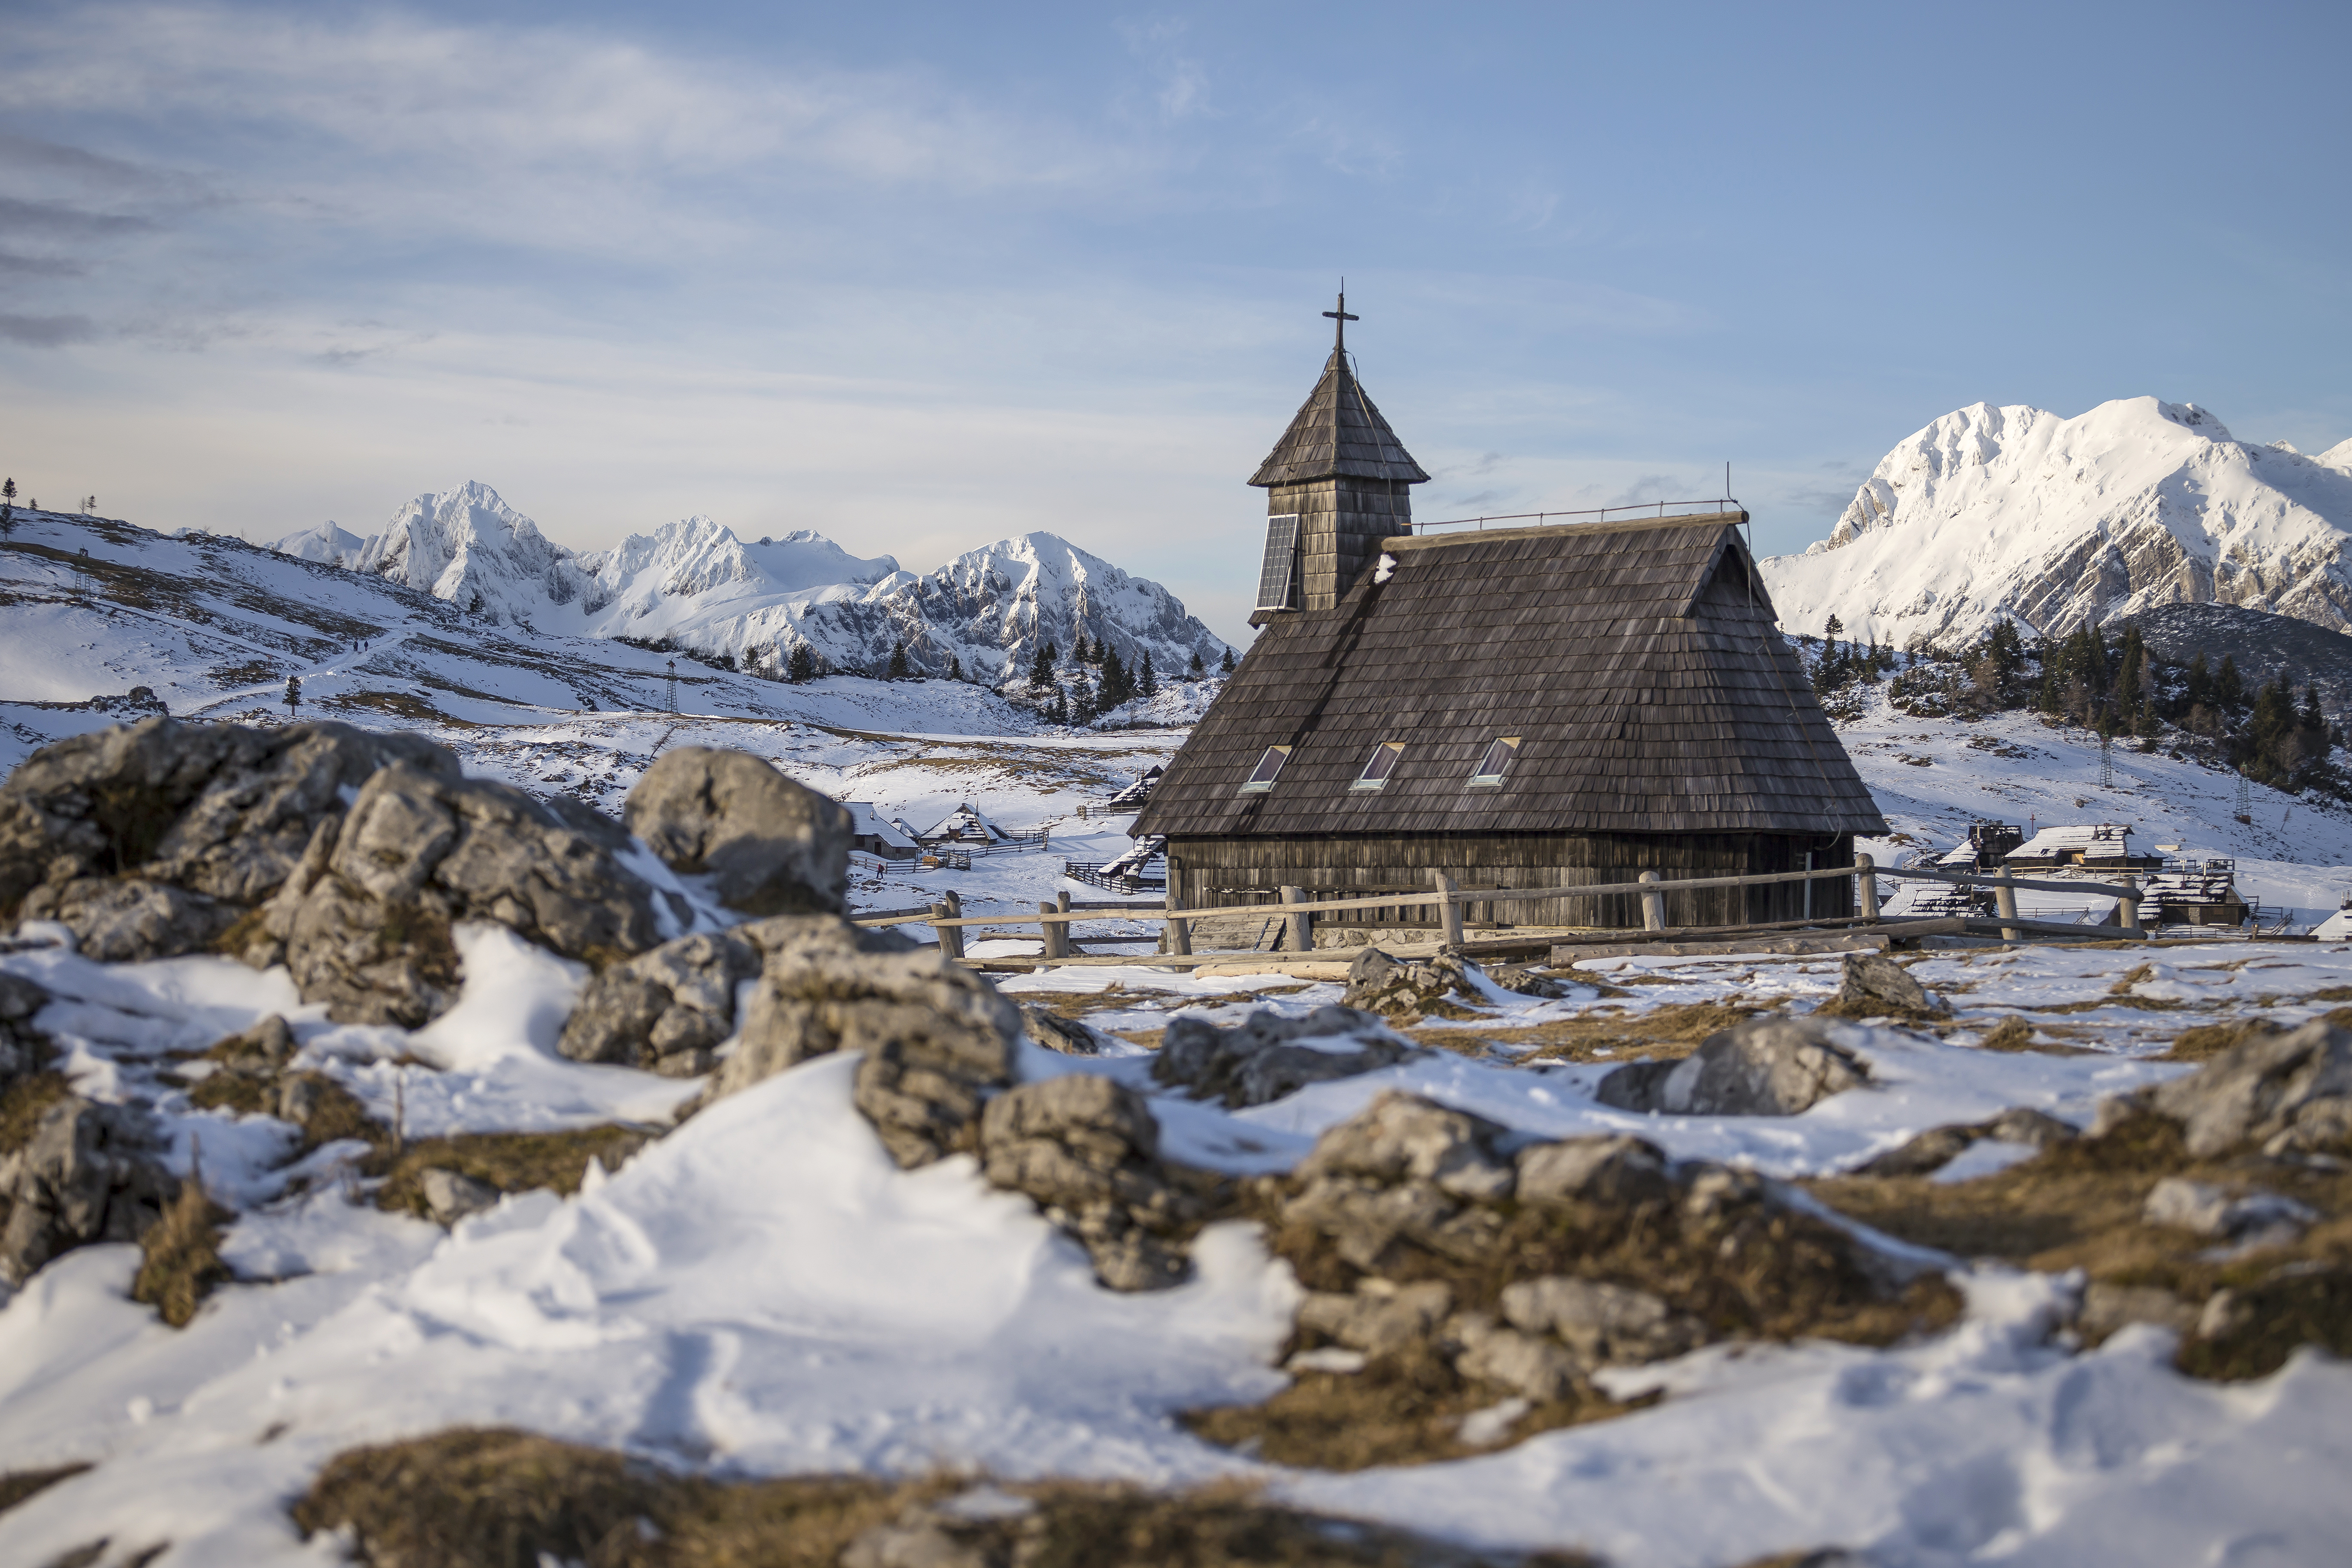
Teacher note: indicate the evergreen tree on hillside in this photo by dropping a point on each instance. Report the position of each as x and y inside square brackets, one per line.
[1149, 686]
[899, 671]
[2229, 691]
[1040, 669]
[1200, 665]
[1078, 650]
[8, 507]
[293, 693]
[955, 668]
[1116, 686]
[1085, 703]
[1225, 662]
[802, 666]
[1060, 711]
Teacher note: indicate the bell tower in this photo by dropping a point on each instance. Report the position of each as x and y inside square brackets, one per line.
[1337, 484]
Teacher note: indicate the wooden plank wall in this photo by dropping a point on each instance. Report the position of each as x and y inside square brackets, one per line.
[1342, 522]
[1223, 873]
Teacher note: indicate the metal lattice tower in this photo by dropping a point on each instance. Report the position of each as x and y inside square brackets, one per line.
[2106, 763]
[669, 695]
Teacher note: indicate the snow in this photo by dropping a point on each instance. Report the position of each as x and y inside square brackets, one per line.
[2016, 511]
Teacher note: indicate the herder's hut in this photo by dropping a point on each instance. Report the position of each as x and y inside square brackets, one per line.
[1516, 707]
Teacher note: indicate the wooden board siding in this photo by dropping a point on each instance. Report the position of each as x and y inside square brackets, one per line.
[1224, 873]
[1342, 522]
[1652, 691]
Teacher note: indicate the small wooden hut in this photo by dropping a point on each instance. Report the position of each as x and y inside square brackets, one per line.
[1525, 707]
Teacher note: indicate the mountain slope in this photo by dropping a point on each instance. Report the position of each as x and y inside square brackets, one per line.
[693, 582]
[2017, 511]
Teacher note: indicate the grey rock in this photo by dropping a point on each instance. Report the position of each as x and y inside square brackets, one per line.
[1764, 1067]
[451, 1195]
[23, 1047]
[772, 846]
[1926, 1151]
[1872, 982]
[1378, 1316]
[937, 1038]
[1364, 1218]
[676, 1002]
[1405, 1138]
[2293, 1088]
[216, 810]
[131, 920]
[1086, 1150]
[1406, 989]
[2022, 1124]
[1615, 1171]
[1258, 1061]
[1603, 1324]
[419, 852]
[91, 1173]
[922, 1538]
[2205, 1209]
[1538, 1367]
[1070, 1037]
[262, 1051]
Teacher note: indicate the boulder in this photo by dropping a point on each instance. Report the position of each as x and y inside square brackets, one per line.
[1403, 1138]
[2284, 1091]
[24, 1049]
[1533, 1365]
[1072, 1037]
[667, 1010]
[1873, 984]
[1379, 1316]
[2205, 1209]
[1260, 1060]
[1615, 1171]
[937, 1038]
[1406, 989]
[1086, 1150]
[370, 935]
[451, 1195]
[219, 812]
[1603, 1324]
[1939, 1146]
[262, 1051]
[770, 845]
[130, 919]
[91, 1173]
[1765, 1067]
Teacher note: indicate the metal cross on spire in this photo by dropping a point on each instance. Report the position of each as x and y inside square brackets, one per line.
[1342, 318]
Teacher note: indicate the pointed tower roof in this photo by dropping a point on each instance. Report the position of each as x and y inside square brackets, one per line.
[1337, 431]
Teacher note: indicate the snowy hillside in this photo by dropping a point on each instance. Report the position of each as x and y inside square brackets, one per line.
[2018, 511]
[693, 581]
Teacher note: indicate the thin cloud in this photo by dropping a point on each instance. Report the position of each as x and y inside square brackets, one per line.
[47, 331]
[58, 220]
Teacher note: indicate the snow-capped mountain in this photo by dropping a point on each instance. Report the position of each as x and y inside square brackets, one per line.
[695, 583]
[2018, 511]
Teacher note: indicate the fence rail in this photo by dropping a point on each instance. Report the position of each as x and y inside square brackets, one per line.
[1594, 514]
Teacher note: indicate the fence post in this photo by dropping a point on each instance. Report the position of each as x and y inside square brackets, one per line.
[950, 907]
[1449, 912]
[1299, 928]
[1866, 885]
[1180, 933]
[2128, 907]
[2004, 900]
[1654, 906]
[1057, 933]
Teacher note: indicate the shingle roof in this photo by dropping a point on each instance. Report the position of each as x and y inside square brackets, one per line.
[1651, 694]
[1337, 431]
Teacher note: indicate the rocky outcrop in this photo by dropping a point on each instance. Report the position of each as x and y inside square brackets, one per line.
[667, 1010]
[1070, 1037]
[1407, 990]
[770, 847]
[1086, 1150]
[91, 1173]
[24, 1049]
[1267, 1056]
[936, 1037]
[365, 918]
[1874, 985]
[2207, 1209]
[204, 821]
[1939, 1146]
[1765, 1067]
[2286, 1092]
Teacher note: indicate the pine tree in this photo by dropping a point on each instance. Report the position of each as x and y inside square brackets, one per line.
[2199, 684]
[1079, 652]
[2228, 690]
[1116, 687]
[802, 667]
[1040, 669]
[1225, 662]
[899, 671]
[955, 668]
[293, 693]
[8, 507]
[1084, 702]
[1060, 709]
[1150, 685]
[1200, 665]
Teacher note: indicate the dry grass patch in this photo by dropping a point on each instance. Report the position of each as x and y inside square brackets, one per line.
[510, 1162]
[1663, 1033]
[2078, 1205]
[180, 1257]
[503, 1498]
[21, 1106]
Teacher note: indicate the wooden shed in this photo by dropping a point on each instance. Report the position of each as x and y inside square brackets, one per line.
[1525, 707]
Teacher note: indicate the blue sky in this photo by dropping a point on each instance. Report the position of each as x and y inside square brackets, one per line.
[925, 275]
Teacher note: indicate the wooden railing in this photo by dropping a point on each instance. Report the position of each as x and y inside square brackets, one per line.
[1055, 920]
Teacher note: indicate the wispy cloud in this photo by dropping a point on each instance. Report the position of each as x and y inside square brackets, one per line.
[47, 331]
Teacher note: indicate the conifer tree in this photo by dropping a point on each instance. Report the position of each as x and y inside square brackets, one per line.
[1078, 650]
[899, 671]
[1225, 662]
[955, 668]
[1060, 712]
[1149, 686]
[802, 667]
[1200, 665]
[1040, 669]
[1115, 686]
[1084, 702]
[293, 693]
[2228, 690]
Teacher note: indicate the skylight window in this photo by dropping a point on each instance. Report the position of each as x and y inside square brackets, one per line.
[1379, 765]
[1495, 765]
[1268, 767]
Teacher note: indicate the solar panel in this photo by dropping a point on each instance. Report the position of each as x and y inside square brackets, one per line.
[1275, 579]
